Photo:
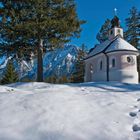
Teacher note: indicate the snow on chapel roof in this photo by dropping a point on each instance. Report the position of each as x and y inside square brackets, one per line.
[99, 48]
[117, 44]
[120, 44]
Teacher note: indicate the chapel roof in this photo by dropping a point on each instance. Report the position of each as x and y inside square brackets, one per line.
[120, 44]
[117, 44]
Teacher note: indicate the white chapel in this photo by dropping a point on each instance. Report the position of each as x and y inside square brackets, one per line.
[113, 60]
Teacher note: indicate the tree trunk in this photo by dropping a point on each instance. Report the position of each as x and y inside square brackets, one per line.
[40, 61]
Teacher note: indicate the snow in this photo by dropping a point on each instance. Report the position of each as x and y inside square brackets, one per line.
[99, 48]
[88, 111]
[116, 44]
[69, 56]
[3, 65]
[121, 44]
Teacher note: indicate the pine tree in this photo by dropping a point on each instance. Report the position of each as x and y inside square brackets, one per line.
[30, 23]
[78, 75]
[48, 80]
[138, 66]
[10, 75]
[132, 34]
[64, 79]
[60, 80]
[103, 33]
[51, 79]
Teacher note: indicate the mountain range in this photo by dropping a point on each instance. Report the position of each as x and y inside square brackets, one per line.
[59, 62]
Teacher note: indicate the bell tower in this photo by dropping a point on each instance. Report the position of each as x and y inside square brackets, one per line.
[115, 28]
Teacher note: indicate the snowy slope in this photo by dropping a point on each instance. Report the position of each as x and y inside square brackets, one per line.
[59, 62]
[89, 111]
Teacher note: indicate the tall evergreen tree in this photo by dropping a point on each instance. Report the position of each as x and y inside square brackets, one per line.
[11, 75]
[64, 79]
[138, 66]
[132, 34]
[30, 23]
[103, 33]
[78, 75]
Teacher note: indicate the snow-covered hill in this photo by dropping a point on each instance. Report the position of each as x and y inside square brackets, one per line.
[88, 111]
[59, 62]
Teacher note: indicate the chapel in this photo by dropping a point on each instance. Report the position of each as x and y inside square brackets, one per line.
[113, 60]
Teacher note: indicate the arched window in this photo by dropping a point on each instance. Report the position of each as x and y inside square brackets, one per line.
[91, 68]
[101, 65]
[113, 62]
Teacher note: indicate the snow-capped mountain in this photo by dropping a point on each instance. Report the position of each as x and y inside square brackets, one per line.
[59, 62]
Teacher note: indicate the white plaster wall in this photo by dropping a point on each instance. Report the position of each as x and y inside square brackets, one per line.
[100, 76]
[115, 32]
[124, 76]
[96, 74]
[124, 72]
[87, 77]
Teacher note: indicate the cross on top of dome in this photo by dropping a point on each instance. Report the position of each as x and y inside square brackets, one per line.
[115, 11]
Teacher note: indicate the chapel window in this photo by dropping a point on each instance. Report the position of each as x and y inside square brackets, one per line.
[119, 31]
[91, 68]
[113, 62]
[130, 59]
[101, 65]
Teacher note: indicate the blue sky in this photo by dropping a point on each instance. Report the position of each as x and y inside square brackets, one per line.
[95, 12]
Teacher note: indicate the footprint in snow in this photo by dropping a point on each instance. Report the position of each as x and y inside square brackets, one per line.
[136, 123]
[10, 90]
[83, 89]
[133, 114]
[136, 127]
[135, 106]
